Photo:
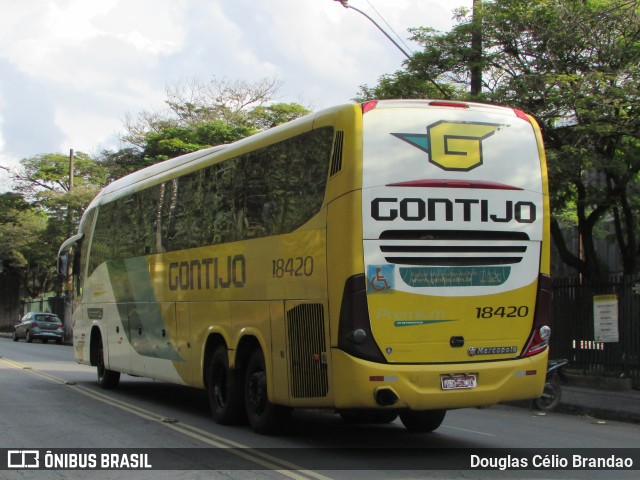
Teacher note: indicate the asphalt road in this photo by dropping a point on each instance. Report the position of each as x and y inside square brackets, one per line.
[49, 402]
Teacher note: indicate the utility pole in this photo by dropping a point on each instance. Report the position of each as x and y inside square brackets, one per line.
[67, 294]
[476, 48]
[71, 158]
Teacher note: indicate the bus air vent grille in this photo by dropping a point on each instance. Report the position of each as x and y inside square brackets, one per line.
[307, 351]
[453, 247]
[336, 159]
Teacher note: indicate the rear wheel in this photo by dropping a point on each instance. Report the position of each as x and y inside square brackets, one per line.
[28, 338]
[264, 416]
[422, 420]
[225, 389]
[356, 417]
[107, 379]
[15, 336]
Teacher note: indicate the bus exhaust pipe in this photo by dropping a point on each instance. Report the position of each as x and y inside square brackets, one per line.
[385, 396]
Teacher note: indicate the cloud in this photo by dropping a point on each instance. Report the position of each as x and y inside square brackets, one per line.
[70, 70]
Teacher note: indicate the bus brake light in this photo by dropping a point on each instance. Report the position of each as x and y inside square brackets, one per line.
[541, 331]
[369, 105]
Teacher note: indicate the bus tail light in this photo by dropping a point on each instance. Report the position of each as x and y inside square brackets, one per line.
[354, 330]
[522, 115]
[369, 105]
[539, 338]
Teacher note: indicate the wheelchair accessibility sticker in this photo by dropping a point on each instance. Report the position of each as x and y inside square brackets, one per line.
[380, 278]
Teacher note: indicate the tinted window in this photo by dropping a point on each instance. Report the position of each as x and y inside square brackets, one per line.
[269, 191]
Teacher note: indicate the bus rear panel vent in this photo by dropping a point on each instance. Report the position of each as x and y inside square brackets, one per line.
[307, 351]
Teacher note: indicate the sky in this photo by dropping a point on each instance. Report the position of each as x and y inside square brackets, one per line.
[71, 71]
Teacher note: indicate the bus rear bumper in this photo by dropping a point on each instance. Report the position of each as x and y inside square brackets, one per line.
[363, 384]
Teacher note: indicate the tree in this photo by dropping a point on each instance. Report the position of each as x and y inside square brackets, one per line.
[49, 172]
[192, 103]
[23, 246]
[42, 213]
[199, 115]
[574, 65]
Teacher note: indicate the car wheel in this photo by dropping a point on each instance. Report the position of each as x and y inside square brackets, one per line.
[28, 338]
[15, 336]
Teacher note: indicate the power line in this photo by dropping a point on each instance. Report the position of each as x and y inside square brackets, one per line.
[390, 27]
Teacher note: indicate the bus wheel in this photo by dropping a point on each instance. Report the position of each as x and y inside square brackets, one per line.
[107, 379]
[224, 388]
[423, 420]
[264, 416]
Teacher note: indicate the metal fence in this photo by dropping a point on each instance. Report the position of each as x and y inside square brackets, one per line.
[579, 321]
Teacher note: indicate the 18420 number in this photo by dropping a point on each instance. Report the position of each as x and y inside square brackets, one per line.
[502, 312]
[292, 267]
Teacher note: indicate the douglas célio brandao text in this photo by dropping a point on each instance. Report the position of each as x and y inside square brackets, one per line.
[551, 461]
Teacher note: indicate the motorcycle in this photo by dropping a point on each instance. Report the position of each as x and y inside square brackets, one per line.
[551, 393]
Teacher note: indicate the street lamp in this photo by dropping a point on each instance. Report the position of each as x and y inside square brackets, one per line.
[345, 4]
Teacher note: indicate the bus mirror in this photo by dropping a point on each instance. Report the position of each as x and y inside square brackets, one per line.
[63, 262]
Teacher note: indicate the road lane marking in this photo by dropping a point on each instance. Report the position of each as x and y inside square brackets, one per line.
[468, 431]
[270, 462]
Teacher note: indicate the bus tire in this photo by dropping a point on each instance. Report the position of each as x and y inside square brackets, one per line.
[422, 421]
[264, 416]
[359, 417]
[224, 389]
[107, 379]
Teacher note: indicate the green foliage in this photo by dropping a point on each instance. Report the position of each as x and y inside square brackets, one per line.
[265, 117]
[200, 115]
[49, 172]
[43, 212]
[404, 84]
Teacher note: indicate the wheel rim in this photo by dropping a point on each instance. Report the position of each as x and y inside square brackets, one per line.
[257, 392]
[220, 387]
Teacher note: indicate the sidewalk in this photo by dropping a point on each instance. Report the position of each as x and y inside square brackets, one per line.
[623, 406]
[594, 398]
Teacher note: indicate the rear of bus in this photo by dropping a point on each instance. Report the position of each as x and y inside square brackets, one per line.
[452, 309]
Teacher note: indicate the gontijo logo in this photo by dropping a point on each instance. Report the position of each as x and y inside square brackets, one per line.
[452, 145]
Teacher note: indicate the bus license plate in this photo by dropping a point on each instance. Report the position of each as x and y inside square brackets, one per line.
[458, 382]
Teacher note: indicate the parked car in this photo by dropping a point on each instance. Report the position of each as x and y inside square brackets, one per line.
[44, 326]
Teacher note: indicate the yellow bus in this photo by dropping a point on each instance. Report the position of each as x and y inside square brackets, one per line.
[378, 259]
